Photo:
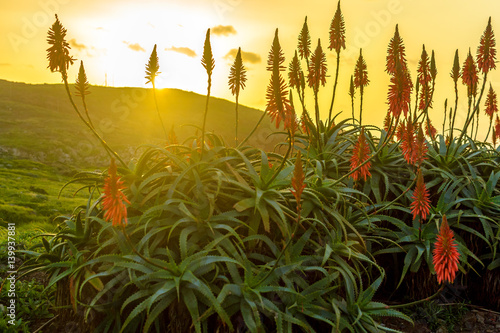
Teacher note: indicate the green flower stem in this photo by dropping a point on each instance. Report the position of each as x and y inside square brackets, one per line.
[283, 161]
[476, 109]
[253, 130]
[399, 306]
[334, 89]
[205, 116]
[396, 199]
[110, 151]
[158, 110]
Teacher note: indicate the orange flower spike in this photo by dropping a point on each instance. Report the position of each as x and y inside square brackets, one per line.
[445, 254]
[491, 105]
[317, 68]
[408, 141]
[387, 122]
[114, 199]
[304, 45]
[420, 152]
[360, 72]
[424, 78]
[399, 94]
[486, 52]
[278, 105]
[421, 203]
[432, 131]
[396, 54]
[496, 130]
[337, 31]
[360, 154]
[455, 71]
[469, 75]
[298, 180]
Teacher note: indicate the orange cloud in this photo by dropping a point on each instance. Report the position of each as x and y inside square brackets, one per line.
[224, 30]
[250, 57]
[184, 50]
[77, 46]
[134, 46]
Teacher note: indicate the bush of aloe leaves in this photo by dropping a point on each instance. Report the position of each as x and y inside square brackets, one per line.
[214, 237]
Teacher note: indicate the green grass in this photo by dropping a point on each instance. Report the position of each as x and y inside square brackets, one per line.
[29, 193]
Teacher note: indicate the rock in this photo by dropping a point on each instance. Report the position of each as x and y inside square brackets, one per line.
[480, 318]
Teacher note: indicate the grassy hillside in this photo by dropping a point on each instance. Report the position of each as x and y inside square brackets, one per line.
[29, 194]
[38, 123]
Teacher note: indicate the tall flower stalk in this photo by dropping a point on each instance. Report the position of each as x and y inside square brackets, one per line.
[152, 71]
[337, 43]
[208, 63]
[490, 108]
[361, 81]
[237, 79]
[279, 106]
[486, 61]
[352, 93]
[316, 77]
[82, 90]
[400, 88]
[445, 254]
[455, 75]
[59, 61]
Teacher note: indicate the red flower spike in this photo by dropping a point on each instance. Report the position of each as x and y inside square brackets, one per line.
[360, 72]
[455, 71]
[469, 75]
[424, 79]
[420, 151]
[496, 130]
[387, 122]
[400, 130]
[491, 105]
[408, 143]
[486, 52]
[445, 254]
[298, 180]
[337, 31]
[399, 94]
[278, 104]
[360, 154]
[304, 45]
[396, 54]
[317, 68]
[432, 131]
[421, 204]
[114, 199]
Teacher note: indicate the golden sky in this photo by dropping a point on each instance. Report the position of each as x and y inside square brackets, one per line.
[114, 38]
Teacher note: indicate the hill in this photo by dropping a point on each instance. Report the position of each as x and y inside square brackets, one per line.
[38, 123]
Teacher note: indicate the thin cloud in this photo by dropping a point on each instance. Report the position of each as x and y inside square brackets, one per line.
[77, 46]
[134, 46]
[250, 57]
[223, 30]
[184, 50]
[4, 64]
